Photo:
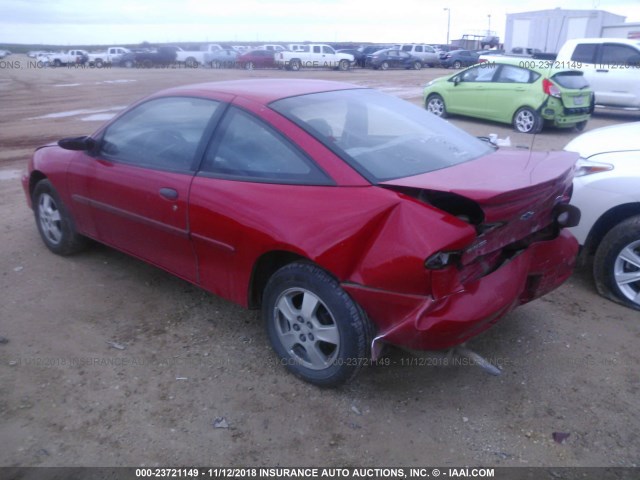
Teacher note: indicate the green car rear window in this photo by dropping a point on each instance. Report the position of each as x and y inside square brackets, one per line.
[572, 80]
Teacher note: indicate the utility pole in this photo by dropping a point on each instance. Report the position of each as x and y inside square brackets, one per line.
[448, 10]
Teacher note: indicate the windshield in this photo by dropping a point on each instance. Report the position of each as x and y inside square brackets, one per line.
[381, 136]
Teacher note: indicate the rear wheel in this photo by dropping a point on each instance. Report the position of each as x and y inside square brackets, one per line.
[191, 62]
[384, 66]
[54, 222]
[343, 65]
[616, 267]
[417, 65]
[435, 104]
[319, 332]
[527, 120]
[295, 64]
[249, 66]
[457, 64]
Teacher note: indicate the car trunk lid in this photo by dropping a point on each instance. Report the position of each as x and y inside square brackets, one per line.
[508, 195]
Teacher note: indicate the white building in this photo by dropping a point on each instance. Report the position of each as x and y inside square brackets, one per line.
[547, 30]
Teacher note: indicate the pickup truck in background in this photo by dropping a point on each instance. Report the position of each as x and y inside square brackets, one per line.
[195, 58]
[314, 56]
[610, 65]
[111, 56]
[77, 57]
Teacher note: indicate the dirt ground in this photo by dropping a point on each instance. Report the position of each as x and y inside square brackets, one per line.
[68, 397]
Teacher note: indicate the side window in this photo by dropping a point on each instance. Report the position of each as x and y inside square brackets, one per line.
[615, 54]
[585, 53]
[406, 48]
[316, 49]
[326, 49]
[162, 134]
[248, 149]
[419, 48]
[511, 74]
[480, 73]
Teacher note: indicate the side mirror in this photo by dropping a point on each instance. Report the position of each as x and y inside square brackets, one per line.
[456, 80]
[77, 143]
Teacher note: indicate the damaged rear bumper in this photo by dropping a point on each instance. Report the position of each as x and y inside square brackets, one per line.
[428, 323]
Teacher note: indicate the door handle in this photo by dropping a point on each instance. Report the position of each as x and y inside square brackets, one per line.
[602, 70]
[168, 193]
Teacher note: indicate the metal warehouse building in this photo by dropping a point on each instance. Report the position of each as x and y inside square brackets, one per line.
[547, 30]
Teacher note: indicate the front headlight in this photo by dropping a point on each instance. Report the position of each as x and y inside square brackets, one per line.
[587, 167]
[429, 84]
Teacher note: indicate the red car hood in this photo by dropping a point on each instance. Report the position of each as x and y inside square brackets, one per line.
[512, 193]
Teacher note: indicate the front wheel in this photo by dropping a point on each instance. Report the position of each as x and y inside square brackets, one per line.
[384, 66]
[249, 66]
[616, 267]
[54, 222]
[417, 65]
[319, 333]
[457, 64]
[343, 65]
[527, 120]
[435, 104]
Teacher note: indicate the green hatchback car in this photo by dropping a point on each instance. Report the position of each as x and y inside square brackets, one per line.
[524, 92]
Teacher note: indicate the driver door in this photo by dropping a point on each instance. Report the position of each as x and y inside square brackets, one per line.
[137, 185]
[469, 96]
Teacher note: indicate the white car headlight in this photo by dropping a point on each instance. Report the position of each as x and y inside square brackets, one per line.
[587, 167]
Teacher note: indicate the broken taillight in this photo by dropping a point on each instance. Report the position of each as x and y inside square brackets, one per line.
[550, 88]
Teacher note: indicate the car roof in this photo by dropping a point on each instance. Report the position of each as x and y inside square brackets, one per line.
[259, 90]
[626, 41]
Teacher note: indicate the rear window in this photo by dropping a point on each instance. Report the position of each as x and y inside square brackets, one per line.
[380, 136]
[572, 80]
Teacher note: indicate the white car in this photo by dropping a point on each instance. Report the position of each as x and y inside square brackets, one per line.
[607, 191]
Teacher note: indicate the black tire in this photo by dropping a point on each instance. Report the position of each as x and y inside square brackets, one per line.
[99, 63]
[191, 62]
[55, 225]
[57, 63]
[384, 66]
[128, 64]
[610, 265]
[249, 66]
[580, 126]
[295, 65]
[417, 65]
[343, 65]
[457, 64]
[435, 104]
[527, 120]
[346, 331]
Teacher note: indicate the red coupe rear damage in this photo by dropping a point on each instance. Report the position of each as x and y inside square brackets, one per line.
[344, 214]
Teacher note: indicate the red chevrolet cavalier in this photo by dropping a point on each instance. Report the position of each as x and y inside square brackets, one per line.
[351, 218]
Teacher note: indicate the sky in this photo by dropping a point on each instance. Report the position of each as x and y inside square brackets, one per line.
[77, 22]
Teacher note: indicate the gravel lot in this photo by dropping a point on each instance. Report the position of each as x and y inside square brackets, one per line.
[68, 397]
